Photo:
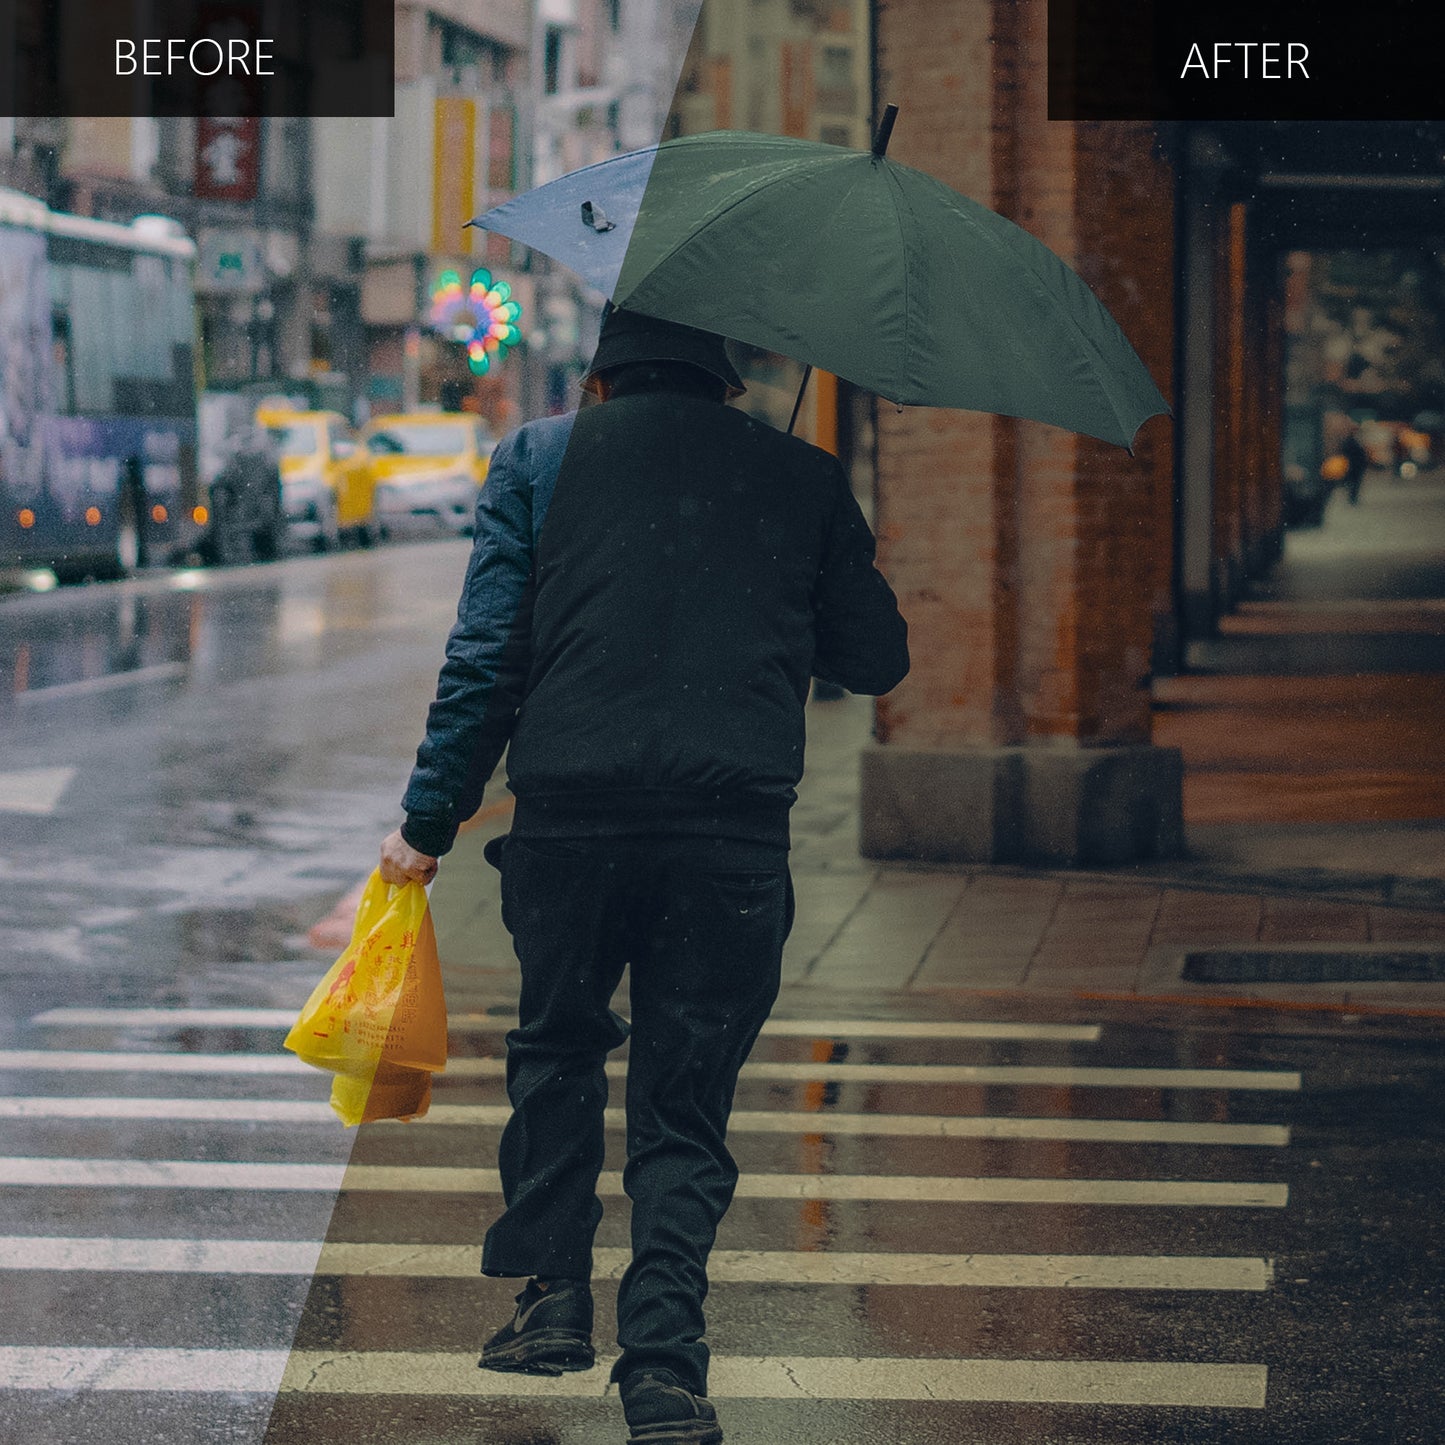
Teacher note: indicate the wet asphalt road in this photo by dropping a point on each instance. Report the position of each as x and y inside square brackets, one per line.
[1285, 1228]
[231, 747]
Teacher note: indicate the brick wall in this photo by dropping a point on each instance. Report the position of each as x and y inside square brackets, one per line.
[1030, 562]
[937, 507]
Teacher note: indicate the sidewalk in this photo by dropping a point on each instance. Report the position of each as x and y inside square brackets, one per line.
[1319, 704]
[929, 933]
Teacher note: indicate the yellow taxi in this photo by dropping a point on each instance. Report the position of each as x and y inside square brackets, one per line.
[326, 486]
[426, 467]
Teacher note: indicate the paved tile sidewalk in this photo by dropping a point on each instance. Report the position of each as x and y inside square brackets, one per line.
[865, 928]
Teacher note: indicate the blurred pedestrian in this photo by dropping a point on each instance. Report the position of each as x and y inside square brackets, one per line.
[653, 582]
[1357, 462]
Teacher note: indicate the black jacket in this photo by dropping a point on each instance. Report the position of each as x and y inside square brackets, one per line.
[647, 651]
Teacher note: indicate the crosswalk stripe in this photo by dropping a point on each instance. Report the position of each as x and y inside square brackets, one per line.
[172, 1174]
[55, 1367]
[189, 1174]
[34, 790]
[1096, 1131]
[1016, 1075]
[1020, 1075]
[460, 1261]
[755, 1121]
[106, 682]
[1091, 1382]
[216, 1111]
[491, 1023]
[922, 1029]
[1082, 1382]
[91, 1062]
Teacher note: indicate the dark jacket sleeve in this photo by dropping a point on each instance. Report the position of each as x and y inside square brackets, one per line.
[862, 639]
[487, 657]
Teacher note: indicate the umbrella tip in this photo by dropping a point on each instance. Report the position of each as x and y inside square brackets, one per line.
[593, 215]
[884, 132]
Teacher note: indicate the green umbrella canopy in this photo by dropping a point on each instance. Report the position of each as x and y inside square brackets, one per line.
[852, 263]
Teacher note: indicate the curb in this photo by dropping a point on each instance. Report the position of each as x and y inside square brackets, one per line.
[1182, 1000]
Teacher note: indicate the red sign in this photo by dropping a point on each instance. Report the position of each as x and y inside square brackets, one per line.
[228, 156]
[228, 133]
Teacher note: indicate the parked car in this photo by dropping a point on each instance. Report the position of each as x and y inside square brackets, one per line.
[326, 483]
[240, 476]
[426, 468]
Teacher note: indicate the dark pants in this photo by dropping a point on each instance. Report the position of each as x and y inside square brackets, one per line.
[702, 923]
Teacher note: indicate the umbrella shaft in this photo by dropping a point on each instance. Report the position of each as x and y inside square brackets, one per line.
[798, 405]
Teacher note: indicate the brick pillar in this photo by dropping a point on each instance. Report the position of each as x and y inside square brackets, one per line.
[1030, 562]
[1249, 372]
[1265, 366]
[1232, 437]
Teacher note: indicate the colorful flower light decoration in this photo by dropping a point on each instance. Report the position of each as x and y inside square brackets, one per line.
[482, 316]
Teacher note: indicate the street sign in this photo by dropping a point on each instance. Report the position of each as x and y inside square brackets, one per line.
[229, 260]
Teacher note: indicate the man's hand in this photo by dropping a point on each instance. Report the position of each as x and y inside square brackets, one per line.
[401, 863]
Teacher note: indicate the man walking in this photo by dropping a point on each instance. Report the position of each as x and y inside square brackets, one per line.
[638, 626]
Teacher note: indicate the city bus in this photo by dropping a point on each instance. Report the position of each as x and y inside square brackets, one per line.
[97, 392]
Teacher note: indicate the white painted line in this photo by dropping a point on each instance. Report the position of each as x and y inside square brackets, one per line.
[936, 1029]
[135, 677]
[725, 1266]
[1082, 1382]
[1016, 1075]
[144, 1018]
[1097, 1131]
[732, 1266]
[405, 1179]
[97, 1061]
[165, 1256]
[45, 1367]
[219, 1111]
[168, 1174]
[1020, 1075]
[743, 1121]
[271, 1018]
[376, 1372]
[34, 790]
[1005, 1190]
[992, 1271]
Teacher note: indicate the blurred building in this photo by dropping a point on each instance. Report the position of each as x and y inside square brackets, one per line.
[796, 68]
[321, 242]
[241, 189]
[492, 97]
[393, 195]
[782, 67]
[603, 82]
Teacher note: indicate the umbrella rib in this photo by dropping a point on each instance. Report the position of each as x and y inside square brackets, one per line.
[898, 198]
[692, 235]
[1090, 352]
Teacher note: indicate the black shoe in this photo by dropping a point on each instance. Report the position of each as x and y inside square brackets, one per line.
[551, 1331]
[661, 1410]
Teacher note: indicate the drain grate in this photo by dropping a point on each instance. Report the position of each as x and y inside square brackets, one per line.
[1314, 966]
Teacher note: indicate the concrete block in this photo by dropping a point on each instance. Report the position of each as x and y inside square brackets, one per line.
[1053, 807]
[939, 807]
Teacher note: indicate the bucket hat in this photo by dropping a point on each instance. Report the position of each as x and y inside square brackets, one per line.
[629, 337]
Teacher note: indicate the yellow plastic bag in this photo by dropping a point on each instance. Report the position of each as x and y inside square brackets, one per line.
[393, 1092]
[378, 1018]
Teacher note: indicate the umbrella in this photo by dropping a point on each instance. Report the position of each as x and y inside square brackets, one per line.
[847, 261]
